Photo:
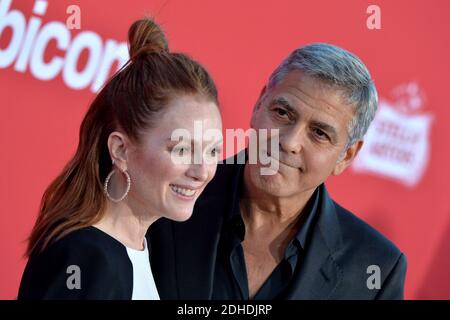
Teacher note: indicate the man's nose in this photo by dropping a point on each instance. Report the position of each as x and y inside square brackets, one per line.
[292, 139]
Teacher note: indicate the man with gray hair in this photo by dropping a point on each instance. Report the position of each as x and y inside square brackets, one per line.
[281, 236]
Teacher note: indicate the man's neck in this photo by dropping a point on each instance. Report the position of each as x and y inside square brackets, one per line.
[262, 210]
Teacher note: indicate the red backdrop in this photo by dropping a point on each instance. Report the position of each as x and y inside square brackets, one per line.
[400, 183]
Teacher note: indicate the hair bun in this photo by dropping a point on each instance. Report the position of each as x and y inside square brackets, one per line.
[146, 36]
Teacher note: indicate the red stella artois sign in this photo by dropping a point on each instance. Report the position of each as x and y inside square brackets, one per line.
[397, 145]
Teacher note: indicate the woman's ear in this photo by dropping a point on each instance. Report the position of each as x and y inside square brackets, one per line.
[117, 145]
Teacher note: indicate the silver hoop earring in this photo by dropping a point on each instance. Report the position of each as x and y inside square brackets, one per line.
[105, 187]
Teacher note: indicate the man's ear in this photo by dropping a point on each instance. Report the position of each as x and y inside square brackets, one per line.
[347, 158]
[117, 145]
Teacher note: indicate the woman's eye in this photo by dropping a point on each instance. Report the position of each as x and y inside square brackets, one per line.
[181, 151]
[216, 151]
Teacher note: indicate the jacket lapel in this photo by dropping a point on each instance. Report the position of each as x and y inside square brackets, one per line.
[197, 241]
[319, 275]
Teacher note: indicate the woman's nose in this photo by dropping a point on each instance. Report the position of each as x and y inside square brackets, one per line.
[198, 172]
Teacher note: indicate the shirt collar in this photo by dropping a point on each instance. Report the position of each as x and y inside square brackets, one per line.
[236, 222]
[309, 213]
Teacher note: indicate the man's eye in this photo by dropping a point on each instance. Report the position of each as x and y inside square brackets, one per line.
[320, 134]
[281, 113]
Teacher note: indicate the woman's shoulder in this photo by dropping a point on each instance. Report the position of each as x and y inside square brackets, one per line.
[97, 260]
[87, 247]
[87, 239]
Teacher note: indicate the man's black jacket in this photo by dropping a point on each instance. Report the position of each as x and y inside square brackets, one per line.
[341, 260]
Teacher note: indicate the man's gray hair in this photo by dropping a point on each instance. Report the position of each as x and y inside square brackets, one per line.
[339, 68]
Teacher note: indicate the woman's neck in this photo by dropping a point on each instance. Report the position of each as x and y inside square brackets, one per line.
[126, 225]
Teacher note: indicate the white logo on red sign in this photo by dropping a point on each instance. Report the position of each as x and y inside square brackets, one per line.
[30, 39]
[397, 144]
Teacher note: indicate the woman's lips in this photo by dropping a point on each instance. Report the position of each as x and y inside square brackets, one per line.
[184, 192]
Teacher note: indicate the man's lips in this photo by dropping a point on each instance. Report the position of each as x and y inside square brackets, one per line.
[286, 163]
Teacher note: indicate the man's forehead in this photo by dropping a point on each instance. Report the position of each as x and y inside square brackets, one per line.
[297, 90]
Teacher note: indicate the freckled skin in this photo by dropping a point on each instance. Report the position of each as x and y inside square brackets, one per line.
[152, 169]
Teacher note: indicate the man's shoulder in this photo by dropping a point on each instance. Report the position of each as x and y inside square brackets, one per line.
[365, 254]
[363, 240]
